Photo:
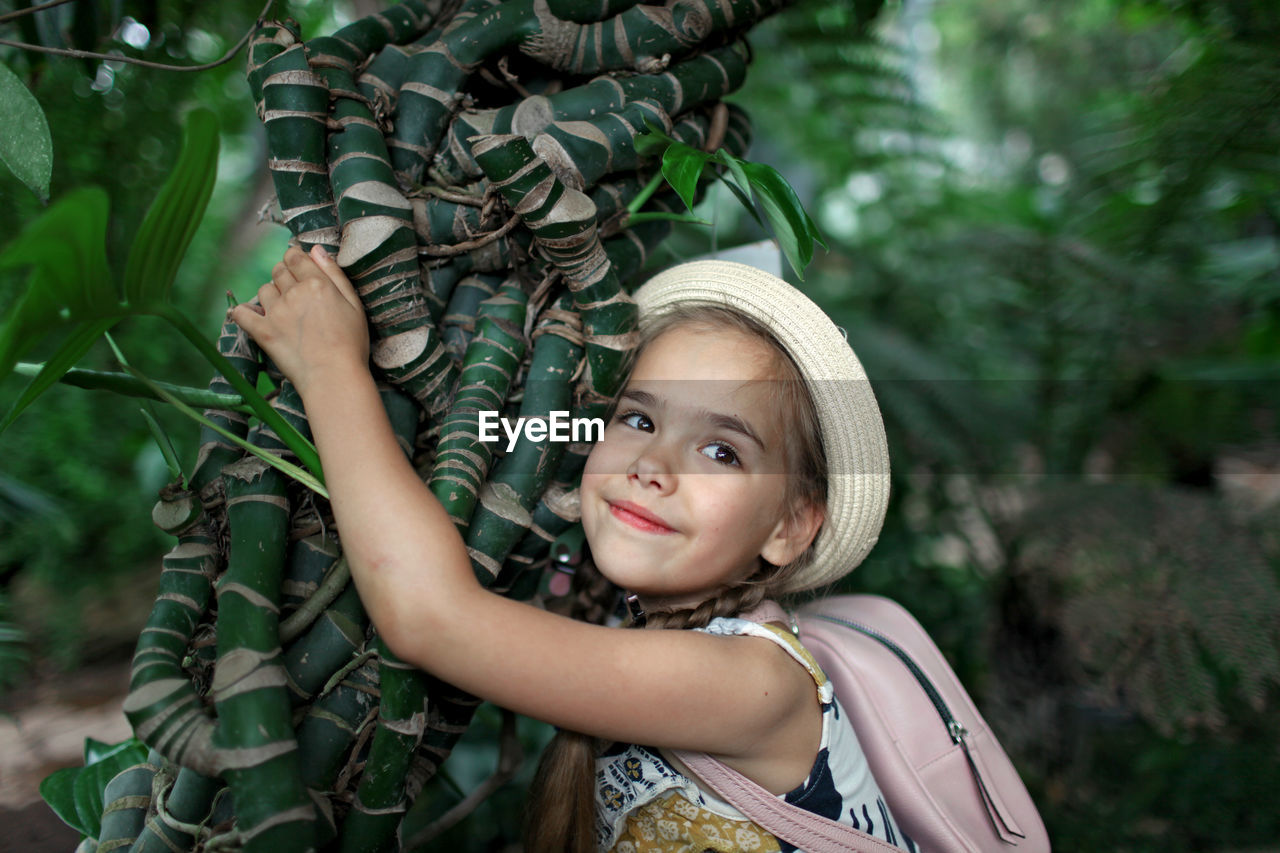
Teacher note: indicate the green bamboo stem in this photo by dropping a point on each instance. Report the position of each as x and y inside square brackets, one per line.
[379, 246]
[255, 737]
[557, 510]
[432, 90]
[126, 385]
[295, 113]
[310, 560]
[215, 450]
[588, 12]
[333, 640]
[333, 723]
[642, 38]
[563, 222]
[380, 81]
[179, 810]
[125, 799]
[494, 354]
[458, 324]
[268, 41]
[163, 706]
[396, 25]
[517, 482]
[380, 799]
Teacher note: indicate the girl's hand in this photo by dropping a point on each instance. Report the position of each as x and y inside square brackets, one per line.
[309, 319]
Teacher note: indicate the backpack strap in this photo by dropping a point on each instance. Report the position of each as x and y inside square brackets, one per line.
[804, 829]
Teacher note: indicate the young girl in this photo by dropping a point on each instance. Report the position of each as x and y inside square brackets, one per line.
[746, 459]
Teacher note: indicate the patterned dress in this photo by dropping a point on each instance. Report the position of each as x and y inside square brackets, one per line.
[645, 805]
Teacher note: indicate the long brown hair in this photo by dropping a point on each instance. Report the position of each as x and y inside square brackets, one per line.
[561, 806]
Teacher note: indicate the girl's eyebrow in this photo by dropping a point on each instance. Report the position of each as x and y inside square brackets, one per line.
[731, 423]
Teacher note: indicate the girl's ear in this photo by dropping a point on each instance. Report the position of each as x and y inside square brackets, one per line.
[793, 534]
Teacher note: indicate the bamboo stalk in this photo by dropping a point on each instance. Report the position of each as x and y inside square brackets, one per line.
[255, 737]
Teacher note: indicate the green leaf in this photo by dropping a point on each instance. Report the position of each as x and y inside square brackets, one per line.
[682, 165]
[25, 144]
[736, 180]
[166, 231]
[163, 442]
[791, 225]
[69, 282]
[72, 349]
[58, 791]
[93, 778]
[82, 788]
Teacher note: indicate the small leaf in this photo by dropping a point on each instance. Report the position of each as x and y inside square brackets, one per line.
[790, 224]
[58, 791]
[69, 281]
[71, 351]
[736, 180]
[163, 442]
[166, 231]
[25, 144]
[682, 165]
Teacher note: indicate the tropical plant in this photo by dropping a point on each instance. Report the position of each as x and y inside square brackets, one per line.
[479, 171]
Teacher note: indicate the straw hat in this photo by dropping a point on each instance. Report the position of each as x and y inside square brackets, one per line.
[852, 431]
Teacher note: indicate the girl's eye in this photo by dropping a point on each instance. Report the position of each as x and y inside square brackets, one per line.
[718, 451]
[636, 420]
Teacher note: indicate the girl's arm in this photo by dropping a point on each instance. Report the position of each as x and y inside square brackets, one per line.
[740, 698]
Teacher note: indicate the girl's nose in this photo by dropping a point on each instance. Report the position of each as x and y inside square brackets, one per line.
[651, 468]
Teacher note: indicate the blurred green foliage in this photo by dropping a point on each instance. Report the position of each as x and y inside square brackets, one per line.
[1055, 244]
[120, 127]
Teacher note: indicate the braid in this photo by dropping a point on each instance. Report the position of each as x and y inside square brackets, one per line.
[732, 601]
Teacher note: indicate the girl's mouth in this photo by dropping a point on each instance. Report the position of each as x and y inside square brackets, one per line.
[638, 517]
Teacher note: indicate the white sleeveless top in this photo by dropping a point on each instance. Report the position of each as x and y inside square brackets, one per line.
[645, 805]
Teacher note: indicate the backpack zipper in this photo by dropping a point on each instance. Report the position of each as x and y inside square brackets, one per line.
[1007, 832]
[954, 727]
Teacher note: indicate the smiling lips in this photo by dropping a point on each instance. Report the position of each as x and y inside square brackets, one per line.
[638, 517]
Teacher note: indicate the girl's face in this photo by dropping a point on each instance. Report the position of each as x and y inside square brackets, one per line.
[685, 493]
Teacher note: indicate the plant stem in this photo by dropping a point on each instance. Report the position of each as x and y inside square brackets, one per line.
[128, 386]
[646, 192]
[657, 215]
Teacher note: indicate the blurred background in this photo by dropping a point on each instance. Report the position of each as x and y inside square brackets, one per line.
[1054, 239]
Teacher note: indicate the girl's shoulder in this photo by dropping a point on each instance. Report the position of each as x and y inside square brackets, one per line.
[729, 626]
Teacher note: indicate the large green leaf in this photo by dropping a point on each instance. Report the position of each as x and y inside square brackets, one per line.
[793, 228]
[172, 220]
[58, 791]
[92, 780]
[71, 351]
[69, 282]
[25, 145]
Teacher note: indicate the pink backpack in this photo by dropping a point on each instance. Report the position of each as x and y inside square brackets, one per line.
[944, 775]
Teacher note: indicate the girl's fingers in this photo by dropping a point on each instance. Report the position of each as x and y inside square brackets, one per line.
[268, 294]
[283, 274]
[247, 317]
[329, 265]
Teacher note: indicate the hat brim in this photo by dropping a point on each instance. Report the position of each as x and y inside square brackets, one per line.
[852, 430]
